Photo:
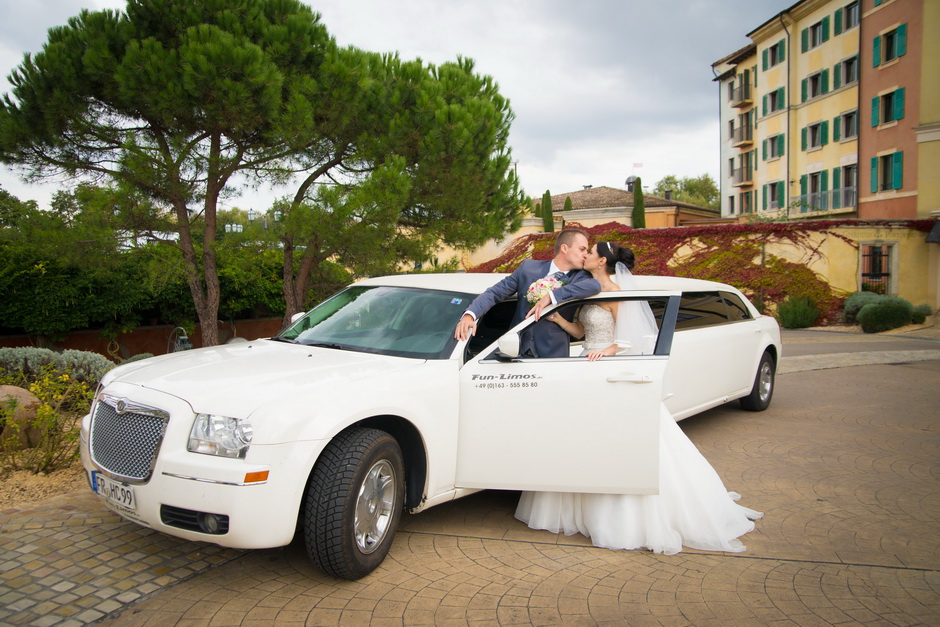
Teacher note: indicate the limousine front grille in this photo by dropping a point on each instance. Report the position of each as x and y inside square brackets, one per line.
[125, 437]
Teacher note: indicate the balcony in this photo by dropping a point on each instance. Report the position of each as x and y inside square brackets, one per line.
[833, 201]
[742, 176]
[741, 96]
[742, 136]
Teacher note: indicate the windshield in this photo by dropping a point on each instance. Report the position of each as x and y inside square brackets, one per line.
[401, 321]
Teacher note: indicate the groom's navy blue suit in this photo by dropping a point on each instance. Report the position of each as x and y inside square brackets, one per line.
[542, 340]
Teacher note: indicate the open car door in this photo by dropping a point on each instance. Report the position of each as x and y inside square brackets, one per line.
[564, 424]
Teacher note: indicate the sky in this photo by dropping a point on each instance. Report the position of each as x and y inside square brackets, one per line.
[601, 89]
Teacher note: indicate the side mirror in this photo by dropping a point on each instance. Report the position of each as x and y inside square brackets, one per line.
[297, 316]
[509, 344]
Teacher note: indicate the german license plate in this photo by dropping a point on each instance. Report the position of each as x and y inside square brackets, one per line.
[118, 493]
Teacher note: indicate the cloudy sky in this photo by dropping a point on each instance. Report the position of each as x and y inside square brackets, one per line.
[601, 89]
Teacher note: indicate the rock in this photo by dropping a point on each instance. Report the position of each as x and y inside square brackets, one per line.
[16, 430]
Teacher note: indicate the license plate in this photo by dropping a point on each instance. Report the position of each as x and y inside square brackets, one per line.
[118, 493]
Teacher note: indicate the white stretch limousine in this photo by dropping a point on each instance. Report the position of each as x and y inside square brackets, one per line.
[367, 406]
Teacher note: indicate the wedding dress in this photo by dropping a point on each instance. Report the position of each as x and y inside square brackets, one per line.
[693, 508]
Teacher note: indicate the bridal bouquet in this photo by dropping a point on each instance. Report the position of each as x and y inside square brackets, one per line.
[540, 288]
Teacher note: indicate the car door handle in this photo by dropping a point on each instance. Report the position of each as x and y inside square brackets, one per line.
[629, 377]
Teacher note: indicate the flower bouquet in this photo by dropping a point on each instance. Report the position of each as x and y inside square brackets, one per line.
[540, 288]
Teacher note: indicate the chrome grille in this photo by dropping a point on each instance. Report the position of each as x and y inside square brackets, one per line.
[125, 437]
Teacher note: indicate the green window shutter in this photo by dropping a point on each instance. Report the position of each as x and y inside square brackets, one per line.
[763, 56]
[874, 175]
[781, 201]
[803, 90]
[899, 104]
[877, 2]
[754, 74]
[764, 195]
[764, 105]
[897, 170]
[876, 51]
[803, 185]
[782, 98]
[837, 197]
[902, 39]
[874, 111]
[754, 159]
[836, 128]
[753, 114]
[780, 144]
[825, 28]
[824, 132]
[824, 181]
[825, 81]
[837, 27]
[836, 76]
[803, 138]
[763, 150]
[783, 49]
[804, 39]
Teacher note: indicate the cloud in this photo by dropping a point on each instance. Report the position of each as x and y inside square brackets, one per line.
[595, 86]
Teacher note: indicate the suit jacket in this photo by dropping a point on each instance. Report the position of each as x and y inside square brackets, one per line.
[544, 339]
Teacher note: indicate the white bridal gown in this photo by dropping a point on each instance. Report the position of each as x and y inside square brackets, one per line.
[693, 508]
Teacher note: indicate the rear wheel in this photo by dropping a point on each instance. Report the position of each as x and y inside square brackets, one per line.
[763, 390]
[354, 502]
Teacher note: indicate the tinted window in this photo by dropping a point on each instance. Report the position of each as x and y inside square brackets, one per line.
[701, 309]
[737, 310]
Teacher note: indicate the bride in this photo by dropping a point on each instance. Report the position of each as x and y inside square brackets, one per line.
[693, 508]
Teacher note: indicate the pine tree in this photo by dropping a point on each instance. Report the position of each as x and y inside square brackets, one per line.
[548, 217]
[639, 209]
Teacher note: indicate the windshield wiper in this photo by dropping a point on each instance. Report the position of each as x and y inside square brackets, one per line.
[327, 345]
[278, 338]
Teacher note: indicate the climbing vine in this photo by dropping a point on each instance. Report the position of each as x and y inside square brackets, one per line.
[735, 254]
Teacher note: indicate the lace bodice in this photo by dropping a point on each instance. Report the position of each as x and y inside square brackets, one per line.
[598, 326]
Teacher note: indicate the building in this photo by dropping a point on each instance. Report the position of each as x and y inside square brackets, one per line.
[598, 205]
[834, 111]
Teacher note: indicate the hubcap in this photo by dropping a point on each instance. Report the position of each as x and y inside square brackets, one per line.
[766, 381]
[374, 506]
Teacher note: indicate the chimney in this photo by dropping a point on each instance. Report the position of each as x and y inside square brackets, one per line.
[668, 194]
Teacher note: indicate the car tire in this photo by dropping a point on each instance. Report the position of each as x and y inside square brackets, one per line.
[354, 502]
[763, 390]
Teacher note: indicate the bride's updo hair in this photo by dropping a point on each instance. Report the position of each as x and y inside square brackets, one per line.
[614, 252]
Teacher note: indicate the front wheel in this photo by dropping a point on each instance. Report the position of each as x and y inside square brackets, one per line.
[354, 502]
[763, 389]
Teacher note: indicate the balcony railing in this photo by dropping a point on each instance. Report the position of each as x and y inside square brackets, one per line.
[742, 135]
[741, 95]
[842, 198]
[741, 176]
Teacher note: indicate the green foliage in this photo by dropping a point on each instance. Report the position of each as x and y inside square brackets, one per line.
[885, 314]
[53, 431]
[699, 190]
[30, 362]
[639, 205]
[797, 313]
[548, 216]
[918, 317]
[855, 301]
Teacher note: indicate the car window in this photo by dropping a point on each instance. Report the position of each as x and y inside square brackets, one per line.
[399, 321]
[701, 309]
[493, 324]
[737, 310]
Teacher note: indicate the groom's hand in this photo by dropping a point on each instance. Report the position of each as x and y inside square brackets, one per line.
[537, 308]
[465, 328]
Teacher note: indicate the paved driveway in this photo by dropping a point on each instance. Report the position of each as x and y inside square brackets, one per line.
[844, 465]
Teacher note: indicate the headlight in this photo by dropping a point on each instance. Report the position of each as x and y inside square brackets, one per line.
[220, 435]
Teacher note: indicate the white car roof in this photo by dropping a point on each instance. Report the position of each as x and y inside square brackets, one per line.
[478, 282]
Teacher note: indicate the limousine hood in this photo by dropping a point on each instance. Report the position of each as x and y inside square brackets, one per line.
[236, 379]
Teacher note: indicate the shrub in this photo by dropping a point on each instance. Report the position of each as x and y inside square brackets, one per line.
[137, 358]
[797, 313]
[885, 314]
[921, 313]
[62, 400]
[29, 362]
[855, 302]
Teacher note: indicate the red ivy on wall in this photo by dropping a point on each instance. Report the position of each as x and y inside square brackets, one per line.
[734, 254]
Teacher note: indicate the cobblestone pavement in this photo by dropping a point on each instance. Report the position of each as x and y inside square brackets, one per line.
[844, 465]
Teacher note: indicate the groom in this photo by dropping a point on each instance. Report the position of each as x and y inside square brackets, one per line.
[540, 340]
